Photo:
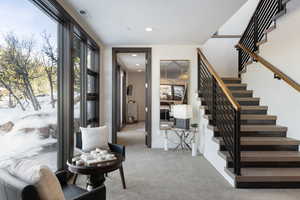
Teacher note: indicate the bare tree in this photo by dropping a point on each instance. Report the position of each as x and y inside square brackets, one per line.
[11, 93]
[50, 63]
[7, 82]
[18, 56]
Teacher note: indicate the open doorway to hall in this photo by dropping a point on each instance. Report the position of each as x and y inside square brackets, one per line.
[132, 96]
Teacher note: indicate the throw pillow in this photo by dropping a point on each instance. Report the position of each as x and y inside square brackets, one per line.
[48, 186]
[93, 138]
[33, 173]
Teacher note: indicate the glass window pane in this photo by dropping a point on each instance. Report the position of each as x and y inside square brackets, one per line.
[91, 84]
[91, 110]
[76, 74]
[28, 91]
[90, 59]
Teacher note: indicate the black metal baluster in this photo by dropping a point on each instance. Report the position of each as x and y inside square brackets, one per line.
[255, 35]
[214, 101]
[279, 5]
[199, 75]
[240, 61]
[237, 141]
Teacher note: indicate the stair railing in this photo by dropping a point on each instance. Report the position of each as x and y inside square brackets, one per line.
[223, 107]
[277, 73]
[266, 13]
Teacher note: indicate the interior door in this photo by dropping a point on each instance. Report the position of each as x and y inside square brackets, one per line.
[118, 82]
[148, 120]
[124, 102]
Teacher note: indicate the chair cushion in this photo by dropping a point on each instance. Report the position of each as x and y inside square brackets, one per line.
[71, 191]
[93, 138]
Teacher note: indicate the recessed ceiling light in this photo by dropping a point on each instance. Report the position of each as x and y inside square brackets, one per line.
[137, 64]
[134, 55]
[139, 70]
[148, 29]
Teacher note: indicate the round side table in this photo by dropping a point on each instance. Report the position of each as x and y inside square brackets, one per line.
[96, 173]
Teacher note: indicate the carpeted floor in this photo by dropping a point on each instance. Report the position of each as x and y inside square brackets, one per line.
[153, 174]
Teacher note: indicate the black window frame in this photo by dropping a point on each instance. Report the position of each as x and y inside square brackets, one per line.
[94, 96]
[67, 29]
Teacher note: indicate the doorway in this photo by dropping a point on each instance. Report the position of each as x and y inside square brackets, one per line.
[127, 105]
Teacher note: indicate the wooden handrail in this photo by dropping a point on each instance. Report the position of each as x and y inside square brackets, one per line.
[220, 82]
[272, 68]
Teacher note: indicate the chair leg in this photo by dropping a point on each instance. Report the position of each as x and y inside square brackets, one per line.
[75, 179]
[122, 177]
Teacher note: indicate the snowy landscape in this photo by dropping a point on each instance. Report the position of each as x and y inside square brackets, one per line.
[28, 85]
[29, 134]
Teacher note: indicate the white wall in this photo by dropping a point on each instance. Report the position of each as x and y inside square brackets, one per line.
[282, 50]
[221, 52]
[159, 52]
[237, 24]
[137, 80]
[222, 55]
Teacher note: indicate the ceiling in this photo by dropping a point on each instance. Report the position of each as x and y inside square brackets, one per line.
[123, 22]
[136, 63]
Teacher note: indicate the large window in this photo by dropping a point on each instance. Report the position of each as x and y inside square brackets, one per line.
[77, 63]
[48, 82]
[92, 89]
[28, 84]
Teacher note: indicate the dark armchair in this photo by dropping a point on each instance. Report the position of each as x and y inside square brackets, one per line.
[12, 188]
[117, 148]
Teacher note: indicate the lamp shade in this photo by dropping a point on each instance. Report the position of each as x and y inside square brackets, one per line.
[182, 111]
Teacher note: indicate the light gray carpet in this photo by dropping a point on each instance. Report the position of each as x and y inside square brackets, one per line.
[158, 175]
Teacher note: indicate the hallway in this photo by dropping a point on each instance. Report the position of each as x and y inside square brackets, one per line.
[132, 135]
[154, 174]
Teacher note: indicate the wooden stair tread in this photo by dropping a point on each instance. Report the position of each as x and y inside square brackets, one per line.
[235, 84]
[255, 128]
[254, 107]
[244, 107]
[258, 117]
[231, 78]
[250, 128]
[240, 99]
[250, 117]
[271, 172]
[247, 99]
[266, 156]
[268, 175]
[265, 141]
[242, 91]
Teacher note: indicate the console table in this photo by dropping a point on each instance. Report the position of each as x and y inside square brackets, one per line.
[182, 134]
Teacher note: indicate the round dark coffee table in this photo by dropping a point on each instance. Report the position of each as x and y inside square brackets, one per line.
[96, 173]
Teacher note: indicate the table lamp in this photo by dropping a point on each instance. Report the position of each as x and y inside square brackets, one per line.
[182, 114]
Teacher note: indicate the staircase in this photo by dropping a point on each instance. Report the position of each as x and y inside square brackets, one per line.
[268, 157]
[257, 151]
[254, 150]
